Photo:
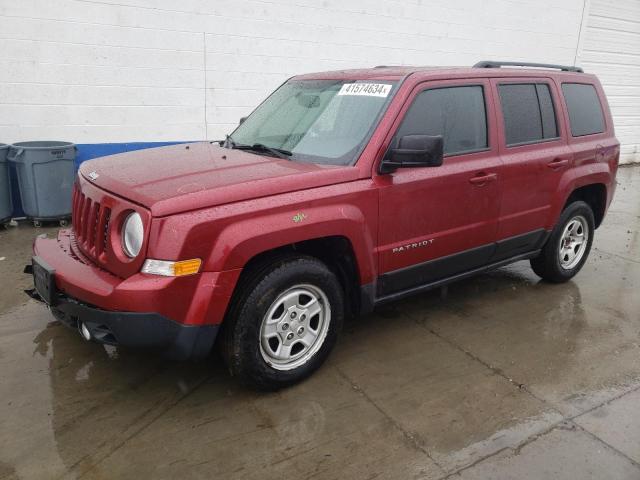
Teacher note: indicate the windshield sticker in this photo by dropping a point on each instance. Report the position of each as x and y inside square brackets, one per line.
[367, 89]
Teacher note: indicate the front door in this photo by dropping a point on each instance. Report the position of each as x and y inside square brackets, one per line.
[436, 222]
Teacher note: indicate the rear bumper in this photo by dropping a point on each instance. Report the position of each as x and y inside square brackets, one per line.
[136, 330]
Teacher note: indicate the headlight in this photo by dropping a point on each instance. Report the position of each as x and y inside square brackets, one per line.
[132, 234]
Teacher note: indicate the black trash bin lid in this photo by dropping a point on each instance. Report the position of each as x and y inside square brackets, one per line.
[42, 145]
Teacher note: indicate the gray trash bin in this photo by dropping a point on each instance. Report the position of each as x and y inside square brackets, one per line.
[6, 208]
[45, 172]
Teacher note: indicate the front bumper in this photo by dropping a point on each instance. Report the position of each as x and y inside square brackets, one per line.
[180, 314]
[192, 300]
[133, 329]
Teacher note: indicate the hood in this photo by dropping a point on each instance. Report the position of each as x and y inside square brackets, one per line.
[185, 177]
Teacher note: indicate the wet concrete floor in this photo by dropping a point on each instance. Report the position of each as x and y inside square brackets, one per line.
[503, 376]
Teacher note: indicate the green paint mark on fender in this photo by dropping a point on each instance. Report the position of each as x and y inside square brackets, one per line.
[298, 217]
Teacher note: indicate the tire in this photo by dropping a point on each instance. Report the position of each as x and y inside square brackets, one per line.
[549, 265]
[273, 303]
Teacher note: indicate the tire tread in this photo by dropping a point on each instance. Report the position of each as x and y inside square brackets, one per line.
[547, 265]
[241, 330]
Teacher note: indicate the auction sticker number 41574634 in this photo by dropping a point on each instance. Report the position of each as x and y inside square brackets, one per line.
[367, 89]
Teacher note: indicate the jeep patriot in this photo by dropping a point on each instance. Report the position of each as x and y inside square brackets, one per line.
[340, 192]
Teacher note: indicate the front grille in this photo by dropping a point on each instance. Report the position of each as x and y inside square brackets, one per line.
[90, 224]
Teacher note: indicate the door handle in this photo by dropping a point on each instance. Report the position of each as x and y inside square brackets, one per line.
[557, 163]
[483, 178]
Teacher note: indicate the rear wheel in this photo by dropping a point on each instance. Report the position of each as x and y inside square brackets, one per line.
[283, 323]
[569, 245]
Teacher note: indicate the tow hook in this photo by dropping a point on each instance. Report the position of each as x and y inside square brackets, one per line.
[84, 331]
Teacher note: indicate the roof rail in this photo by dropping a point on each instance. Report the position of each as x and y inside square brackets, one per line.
[492, 64]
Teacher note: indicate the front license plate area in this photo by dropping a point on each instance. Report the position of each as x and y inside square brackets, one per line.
[44, 280]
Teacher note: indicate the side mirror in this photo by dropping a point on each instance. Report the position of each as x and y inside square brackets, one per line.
[242, 119]
[414, 151]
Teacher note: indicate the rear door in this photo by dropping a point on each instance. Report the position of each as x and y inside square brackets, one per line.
[436, 222]
[534, 152]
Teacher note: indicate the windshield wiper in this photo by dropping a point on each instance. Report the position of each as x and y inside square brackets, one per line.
[259, 147]
[229, 142]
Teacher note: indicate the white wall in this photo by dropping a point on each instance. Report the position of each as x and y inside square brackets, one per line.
[97, 71]
[611, 50]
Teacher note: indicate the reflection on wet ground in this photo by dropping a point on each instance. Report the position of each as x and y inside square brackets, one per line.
[502, 376]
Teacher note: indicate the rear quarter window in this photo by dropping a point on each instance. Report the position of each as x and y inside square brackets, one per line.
[585, 111]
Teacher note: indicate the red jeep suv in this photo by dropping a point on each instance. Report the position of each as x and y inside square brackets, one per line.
[341, 191]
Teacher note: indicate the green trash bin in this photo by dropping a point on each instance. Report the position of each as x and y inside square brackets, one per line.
[45, 173]
[6, 207]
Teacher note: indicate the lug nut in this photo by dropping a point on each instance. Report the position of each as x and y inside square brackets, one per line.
[290, 336]
[300, 330]
[285, 326]
[293, 314]
[303, 317]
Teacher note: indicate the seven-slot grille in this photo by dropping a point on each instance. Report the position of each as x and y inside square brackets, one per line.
[90, 224]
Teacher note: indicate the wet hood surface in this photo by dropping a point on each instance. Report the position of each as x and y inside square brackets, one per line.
[190, 176]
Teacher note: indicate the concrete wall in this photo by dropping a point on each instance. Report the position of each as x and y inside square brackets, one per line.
[122, 71]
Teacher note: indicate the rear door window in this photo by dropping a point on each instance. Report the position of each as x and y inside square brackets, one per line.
[528, 113]
[585, 111]
[456, 113]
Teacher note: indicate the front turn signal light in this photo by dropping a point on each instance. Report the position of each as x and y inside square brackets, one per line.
[171, 269]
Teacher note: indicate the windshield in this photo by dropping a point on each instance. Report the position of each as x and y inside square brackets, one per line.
[318, 121]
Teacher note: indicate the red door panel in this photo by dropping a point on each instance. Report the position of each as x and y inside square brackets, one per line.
[530, 173]
[431, 212]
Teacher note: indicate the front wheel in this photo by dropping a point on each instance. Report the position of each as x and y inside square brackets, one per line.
[569, 245]
[283, 323]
